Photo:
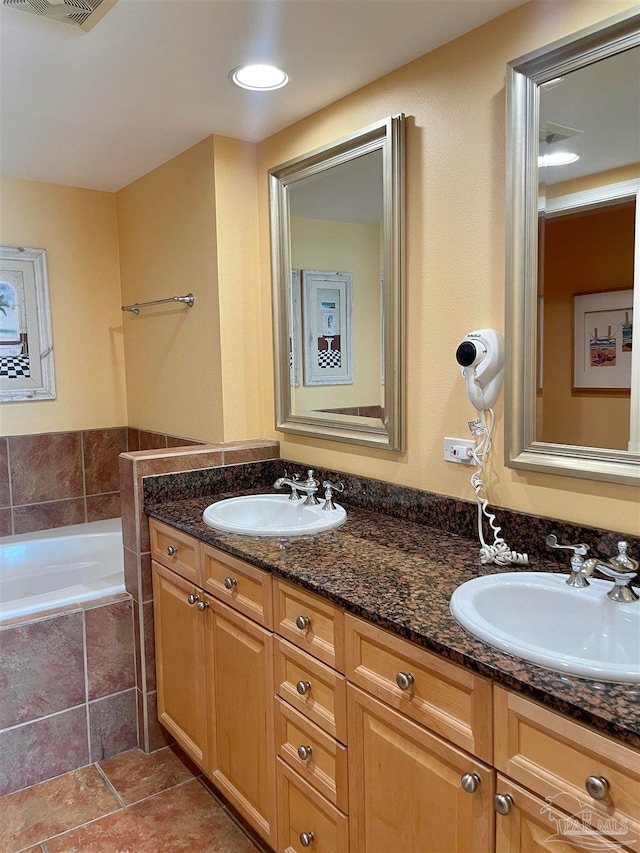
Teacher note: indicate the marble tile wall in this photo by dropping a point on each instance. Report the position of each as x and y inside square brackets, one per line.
[134, 467]
[61, 478]
[67, 692]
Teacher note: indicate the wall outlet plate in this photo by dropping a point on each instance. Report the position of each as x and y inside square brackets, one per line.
[459, 450]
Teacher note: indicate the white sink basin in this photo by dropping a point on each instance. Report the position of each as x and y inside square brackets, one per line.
[536, 616]
[271, 517]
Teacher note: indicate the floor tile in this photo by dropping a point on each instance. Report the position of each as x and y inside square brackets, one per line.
[136, 775]
[49, 808]
[184, 819]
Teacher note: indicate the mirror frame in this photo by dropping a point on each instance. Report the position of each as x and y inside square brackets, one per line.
[524, 75]
[388, 136]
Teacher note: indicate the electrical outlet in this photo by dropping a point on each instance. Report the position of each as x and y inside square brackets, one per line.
[459, 450]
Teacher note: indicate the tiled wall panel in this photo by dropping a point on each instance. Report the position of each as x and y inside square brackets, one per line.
[67, 692]
[57, 479]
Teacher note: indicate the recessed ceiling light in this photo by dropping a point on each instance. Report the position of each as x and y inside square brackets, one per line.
[559, 158]
[260, 78]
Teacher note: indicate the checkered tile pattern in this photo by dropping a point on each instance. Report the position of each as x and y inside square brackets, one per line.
[329, 358]
[14, 366]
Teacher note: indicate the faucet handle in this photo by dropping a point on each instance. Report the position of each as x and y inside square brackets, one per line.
[622, 563]
[581, 548]
[580, 569]
[329, 489]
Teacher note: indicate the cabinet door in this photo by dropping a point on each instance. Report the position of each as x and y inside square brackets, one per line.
[405, 788]
[180, 664]
[242, 751]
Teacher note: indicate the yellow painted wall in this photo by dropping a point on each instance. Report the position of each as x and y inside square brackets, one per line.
[454, 100]
[167, 228]
[78, 228]
[344, 247]
[242, 345]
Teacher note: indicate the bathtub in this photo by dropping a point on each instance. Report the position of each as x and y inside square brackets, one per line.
[55, 568]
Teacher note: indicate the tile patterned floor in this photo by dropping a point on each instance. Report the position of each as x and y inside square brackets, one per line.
[130, 803]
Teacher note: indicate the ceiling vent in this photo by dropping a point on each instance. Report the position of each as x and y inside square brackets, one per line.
[553, 132]
[78, 13]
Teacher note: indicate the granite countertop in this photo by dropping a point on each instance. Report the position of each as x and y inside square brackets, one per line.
[400, 575]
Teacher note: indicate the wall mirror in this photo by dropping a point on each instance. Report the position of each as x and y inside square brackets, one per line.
[573, 256]
[337, 259]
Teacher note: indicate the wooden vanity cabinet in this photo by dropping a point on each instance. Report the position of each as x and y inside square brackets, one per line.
[397, 743]
[180, 635]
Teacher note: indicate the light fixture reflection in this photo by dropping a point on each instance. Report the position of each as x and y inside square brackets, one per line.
[558, 158]
[259, 78]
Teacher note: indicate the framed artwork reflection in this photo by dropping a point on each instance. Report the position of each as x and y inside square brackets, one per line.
[26, 342]
[603, 326]
[327, 322]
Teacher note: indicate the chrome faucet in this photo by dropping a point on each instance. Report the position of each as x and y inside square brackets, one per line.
[309, 486]
[621, 568]
[293, 483]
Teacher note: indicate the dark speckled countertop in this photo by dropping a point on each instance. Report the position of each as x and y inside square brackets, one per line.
[400, 575]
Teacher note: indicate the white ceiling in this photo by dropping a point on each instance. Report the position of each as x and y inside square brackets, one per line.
[99, 109]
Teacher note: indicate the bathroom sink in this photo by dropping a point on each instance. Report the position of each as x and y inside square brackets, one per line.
[536, 616]
[271, 517]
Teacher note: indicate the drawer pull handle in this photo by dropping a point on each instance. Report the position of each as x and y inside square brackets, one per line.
[404, 680]
[597, 787]
[303, 687]
[306, 838]
[502, 803]
[304, 753]
[470, 782]
[192, 598]
[202, 606]
[229, 583]
[303, 622]
[171, 550]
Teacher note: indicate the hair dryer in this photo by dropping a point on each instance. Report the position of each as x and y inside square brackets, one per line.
[481, 357]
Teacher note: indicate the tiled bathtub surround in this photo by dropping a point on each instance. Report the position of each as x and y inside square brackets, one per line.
[67, 692]
[143, 439]
[61, 478]
[55, 479]
[134, 466]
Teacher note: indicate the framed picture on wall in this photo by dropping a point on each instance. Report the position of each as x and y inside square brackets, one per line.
[26, 342]
[603, 326]
[327, 321]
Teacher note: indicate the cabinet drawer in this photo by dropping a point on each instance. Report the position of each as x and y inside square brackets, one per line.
[175, 550]
[325, 698]
[302, 811]
[326, 765]
[322, 635]
[554, 756]
[447, 699]
[236, 583]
